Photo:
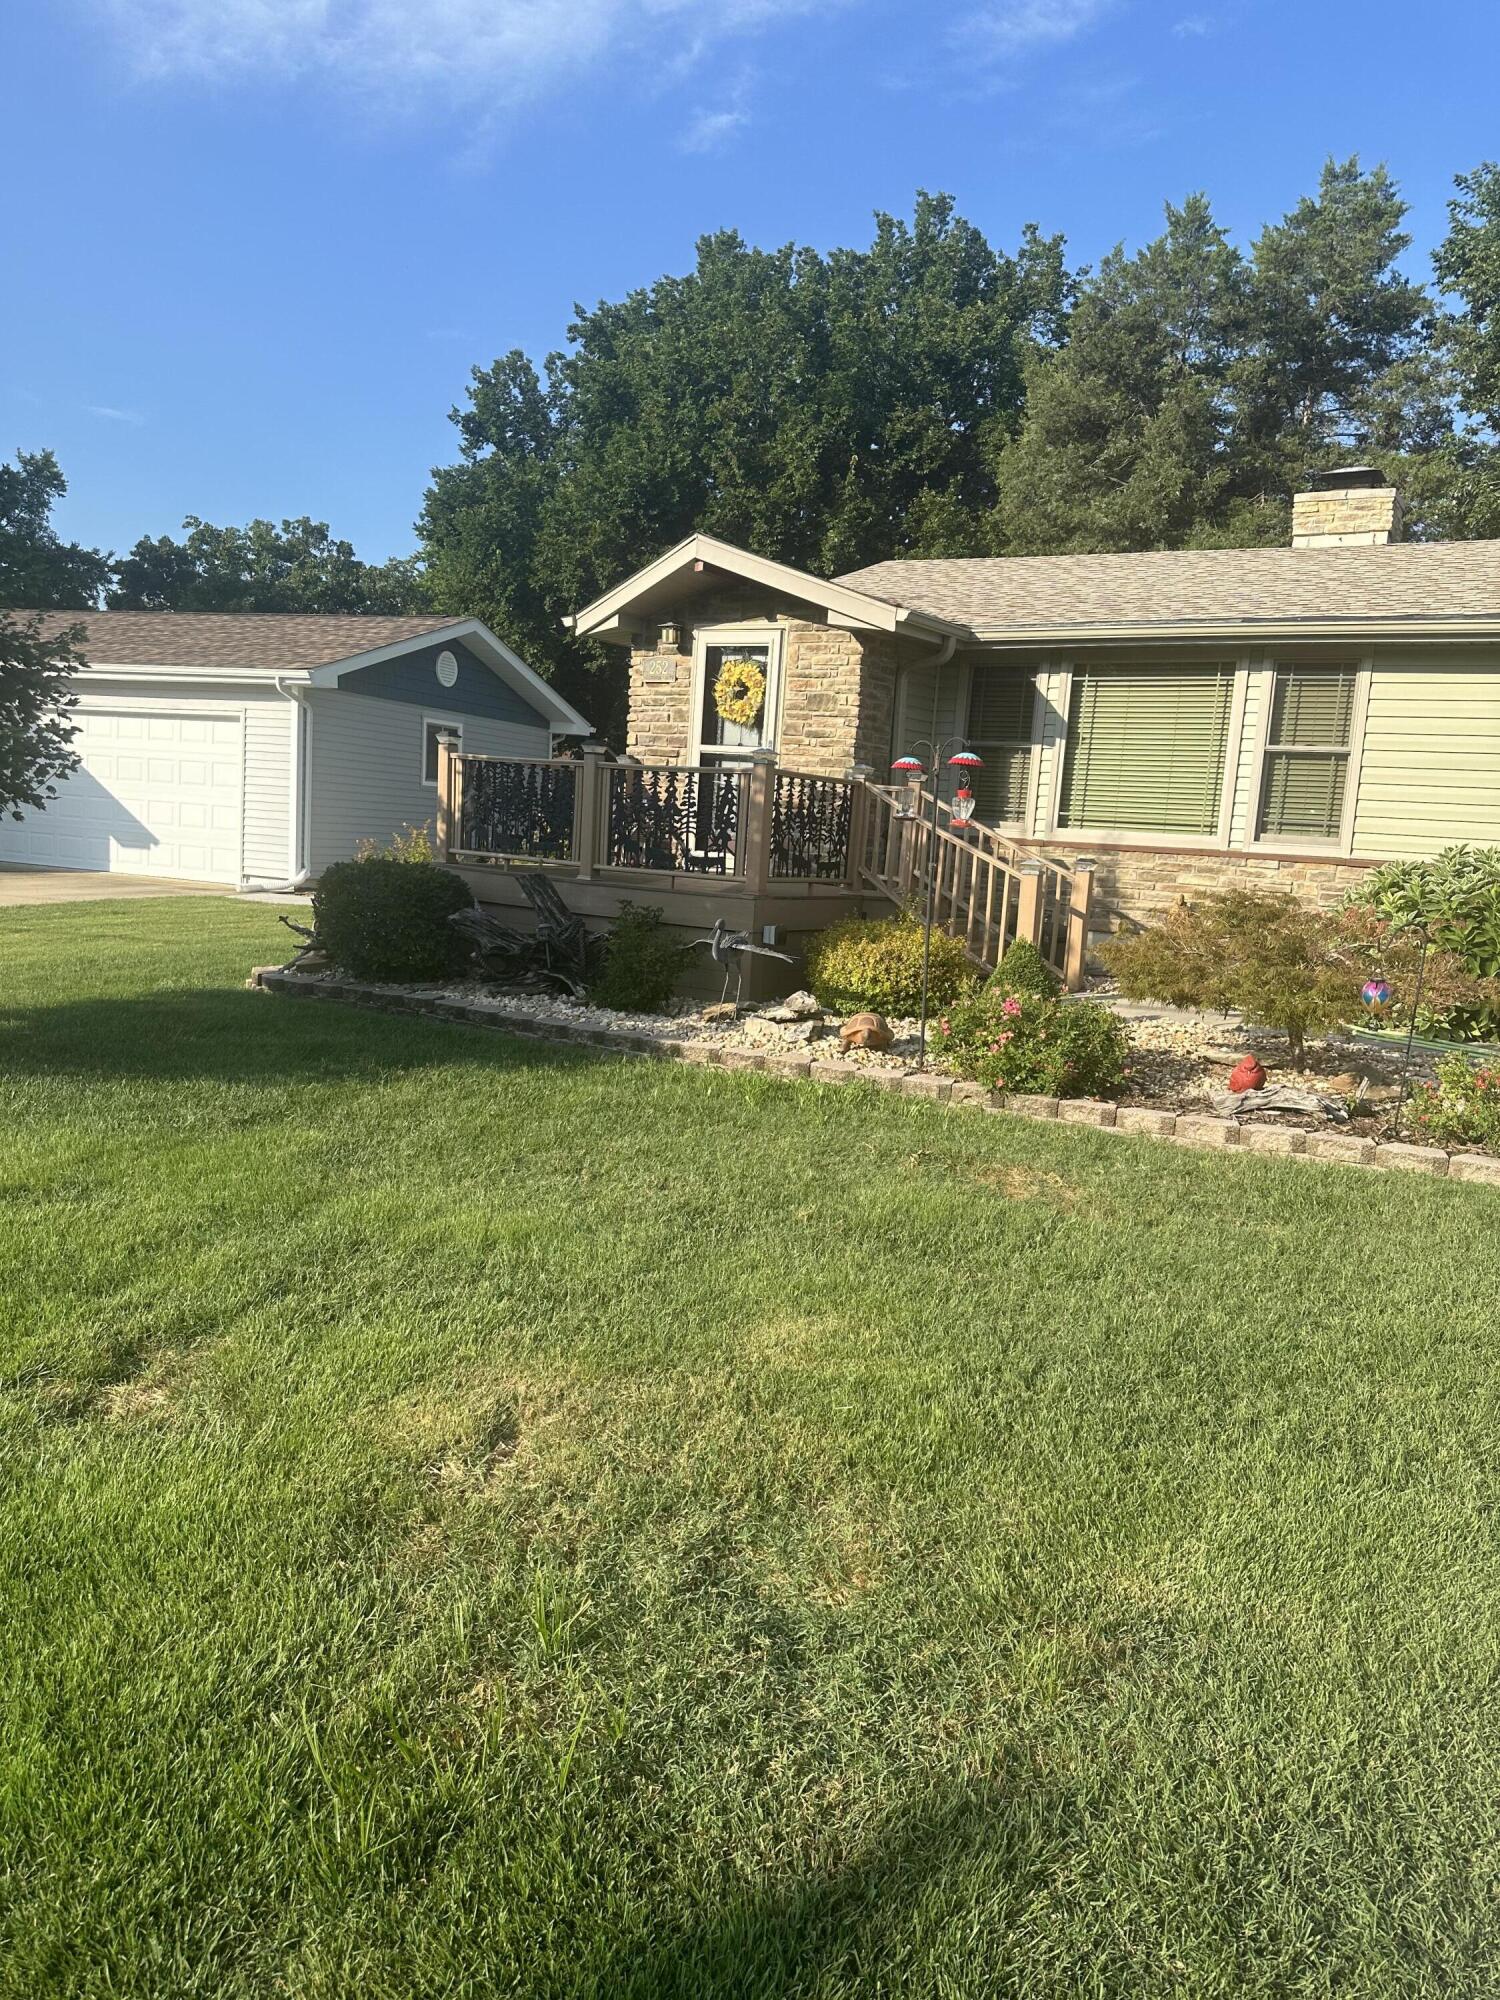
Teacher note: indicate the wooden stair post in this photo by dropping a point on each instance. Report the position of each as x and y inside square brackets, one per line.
[589, 809]
[857, 778]
[1080, 895]
[1029, 903]
[760, 791]
[449, 806]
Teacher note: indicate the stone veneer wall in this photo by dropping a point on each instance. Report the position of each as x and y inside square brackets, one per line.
[838, 688]
[1139, 885]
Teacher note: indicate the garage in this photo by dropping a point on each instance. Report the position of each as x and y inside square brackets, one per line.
[252, 749]
[157, 792]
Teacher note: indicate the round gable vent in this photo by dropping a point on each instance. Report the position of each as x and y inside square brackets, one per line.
[447, 669]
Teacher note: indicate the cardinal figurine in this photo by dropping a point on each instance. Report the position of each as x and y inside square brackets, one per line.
[1247, 1074]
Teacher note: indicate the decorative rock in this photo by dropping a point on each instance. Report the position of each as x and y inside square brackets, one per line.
[1085, 1111]
[866, 1031]
[795, 1007]
[1272, 1139]
[1215, 1132]
[1345, 1150]
[1474, 1167]
[721, 1010]
[1145, 1120]
[1415, 1159]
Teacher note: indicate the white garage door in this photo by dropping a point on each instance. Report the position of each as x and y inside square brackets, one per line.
[156, 793]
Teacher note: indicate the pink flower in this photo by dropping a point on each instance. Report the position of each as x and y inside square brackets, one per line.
[1010, 1005]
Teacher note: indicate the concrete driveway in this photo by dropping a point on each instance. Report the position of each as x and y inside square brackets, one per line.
[19, 885]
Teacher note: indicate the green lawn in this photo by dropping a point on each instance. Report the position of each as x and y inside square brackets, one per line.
[486, 1520]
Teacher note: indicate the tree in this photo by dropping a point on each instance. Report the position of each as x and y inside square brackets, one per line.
[36, 660]
[1338, 358]
[1467, 263]
[1124, 440]
[296, 567]
[38, 570]
[827, 411]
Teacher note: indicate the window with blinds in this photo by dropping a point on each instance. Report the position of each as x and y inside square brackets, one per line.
[1146, 748]
[1307, 753]
[1002, 703]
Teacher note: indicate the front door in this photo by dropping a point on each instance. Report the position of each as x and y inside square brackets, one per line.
[742, 677]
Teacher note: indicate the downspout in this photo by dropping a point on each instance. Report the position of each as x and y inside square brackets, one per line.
[946, 647]
[301, 718]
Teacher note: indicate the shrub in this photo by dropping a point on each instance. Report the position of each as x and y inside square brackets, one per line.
[388, 920]
[1022, 969]
[1462, 1108]
[407, 843]
[641, 963]
[1282, 963]
[1029, 1042]
[876, 962]
[1456, 896]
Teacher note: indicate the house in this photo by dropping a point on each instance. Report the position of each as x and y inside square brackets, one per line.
[258, 748]
[1184, 721]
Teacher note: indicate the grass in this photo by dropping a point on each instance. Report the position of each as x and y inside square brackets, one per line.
[486, 1520]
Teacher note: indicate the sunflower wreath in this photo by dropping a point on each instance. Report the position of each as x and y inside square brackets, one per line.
[740, 692]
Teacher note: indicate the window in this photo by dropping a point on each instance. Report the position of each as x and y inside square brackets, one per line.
[431, 731]
[1146, 749]
[1307, 753]
[1002, 702]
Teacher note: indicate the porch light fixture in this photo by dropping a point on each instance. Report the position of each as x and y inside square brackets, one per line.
[668, 635]
[961, 812]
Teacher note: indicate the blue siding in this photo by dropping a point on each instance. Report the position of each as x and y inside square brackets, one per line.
[412, 677]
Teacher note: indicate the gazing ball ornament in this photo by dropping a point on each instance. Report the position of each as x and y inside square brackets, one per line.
[1376, 994]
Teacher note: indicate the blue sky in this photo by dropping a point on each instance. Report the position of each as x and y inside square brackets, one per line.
[254, 246]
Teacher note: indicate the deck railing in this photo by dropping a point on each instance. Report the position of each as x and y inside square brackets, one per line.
[763, 831]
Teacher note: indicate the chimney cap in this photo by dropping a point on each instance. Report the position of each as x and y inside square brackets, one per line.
[1346, 478]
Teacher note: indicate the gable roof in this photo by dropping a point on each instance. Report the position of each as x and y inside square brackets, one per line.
[317, 646]
[1402, 583]
[279, 641]
[703, 560]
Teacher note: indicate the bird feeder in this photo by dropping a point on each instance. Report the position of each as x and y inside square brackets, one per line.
[961, 812]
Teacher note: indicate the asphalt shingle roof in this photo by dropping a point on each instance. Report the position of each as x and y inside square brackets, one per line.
[1404, 580]
[281, 642]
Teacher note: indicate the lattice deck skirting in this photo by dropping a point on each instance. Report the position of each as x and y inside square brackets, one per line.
[1179, 1128]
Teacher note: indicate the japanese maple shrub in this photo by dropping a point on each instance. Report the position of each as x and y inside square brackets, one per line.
[1285, 964]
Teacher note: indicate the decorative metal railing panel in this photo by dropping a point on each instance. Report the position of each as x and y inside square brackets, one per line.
[810, 828]
[686, 820]
[519, 809]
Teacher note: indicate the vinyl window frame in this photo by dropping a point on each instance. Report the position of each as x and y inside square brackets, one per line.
[1341, 843]
[1146, 838]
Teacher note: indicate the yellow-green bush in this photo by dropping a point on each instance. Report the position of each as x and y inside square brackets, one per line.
[877, 963]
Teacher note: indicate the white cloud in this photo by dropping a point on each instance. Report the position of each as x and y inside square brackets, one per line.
[503, 52]
[113, 416]
[1017, 27]
[1191, 25]
[711, 129]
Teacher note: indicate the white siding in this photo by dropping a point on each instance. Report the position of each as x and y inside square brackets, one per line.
[365, 766]
[1430, 769]
[264, 766]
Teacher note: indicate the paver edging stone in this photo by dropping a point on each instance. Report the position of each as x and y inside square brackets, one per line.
[1137, 1120]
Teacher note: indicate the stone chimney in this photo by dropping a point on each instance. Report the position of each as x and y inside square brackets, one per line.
[1352, 507]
